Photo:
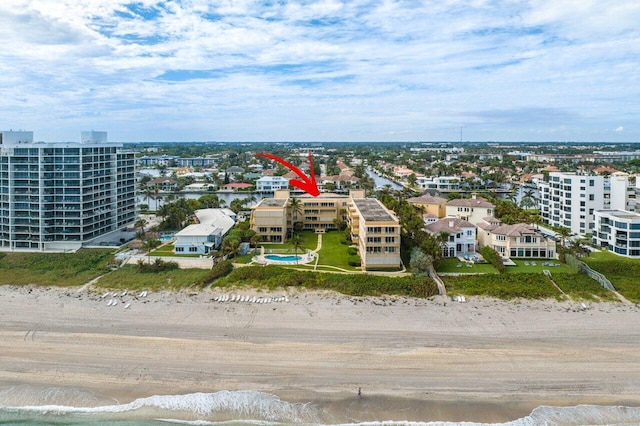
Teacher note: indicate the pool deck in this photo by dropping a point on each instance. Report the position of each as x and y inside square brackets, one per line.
[304, 259]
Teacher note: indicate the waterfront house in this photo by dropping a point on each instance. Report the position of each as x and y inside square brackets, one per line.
[207, 234]
[461, 235]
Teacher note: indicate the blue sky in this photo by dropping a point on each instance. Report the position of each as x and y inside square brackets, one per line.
[242, 70]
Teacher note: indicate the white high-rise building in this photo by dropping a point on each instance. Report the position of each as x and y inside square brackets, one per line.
[58, 196]
[569, 200]
[622, 194]
[618, 231]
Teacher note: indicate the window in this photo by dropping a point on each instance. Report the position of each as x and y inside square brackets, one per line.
[469, 233]
[374, 239]
[389, 249]
[374, 229]
[501, 237]
[179, 249]
[193, 249]
[390, 229]
[592, 197]
[390, 240]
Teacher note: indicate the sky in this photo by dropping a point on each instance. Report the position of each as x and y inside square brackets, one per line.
[326, 70]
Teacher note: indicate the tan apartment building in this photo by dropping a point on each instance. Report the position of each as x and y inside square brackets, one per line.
[430, 204]
[374, 228]
[269, 219]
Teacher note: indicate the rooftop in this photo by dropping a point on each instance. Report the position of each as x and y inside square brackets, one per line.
[372, 210]
[449, 225]
[621, 214]
[272, 202]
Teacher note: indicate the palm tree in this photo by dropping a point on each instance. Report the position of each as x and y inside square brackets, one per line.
[254, 241]
[149, 244]
[528, 199]
[139, 227]
[295, 206]
[230, 246]
[296, 244]
[564, 234]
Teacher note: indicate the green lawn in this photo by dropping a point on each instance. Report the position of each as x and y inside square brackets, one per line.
[333, 253]
[309, 241]
[63, 269]
[622, 272]
[450, 265]
[129, 277]
[538, 267]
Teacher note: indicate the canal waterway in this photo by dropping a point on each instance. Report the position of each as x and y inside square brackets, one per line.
[381, 181]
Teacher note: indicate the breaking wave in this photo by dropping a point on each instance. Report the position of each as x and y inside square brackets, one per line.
[249, 408]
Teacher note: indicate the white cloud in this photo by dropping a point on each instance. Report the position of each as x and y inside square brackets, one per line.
[619, 129]
[367, 68]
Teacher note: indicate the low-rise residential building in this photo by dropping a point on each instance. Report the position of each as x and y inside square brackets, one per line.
[163, 184]
[341, 182]
[618, 231]
[271, 184]
[269, 218]
[440, 183]
[473, 209]
[206, 235]
[374, 228]
[520, 240]
[430, 204]
[461, 235]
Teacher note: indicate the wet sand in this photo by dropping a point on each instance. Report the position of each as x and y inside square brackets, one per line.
[415, 359]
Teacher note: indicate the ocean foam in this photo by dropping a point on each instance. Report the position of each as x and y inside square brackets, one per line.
[259, 408]
[248, 405]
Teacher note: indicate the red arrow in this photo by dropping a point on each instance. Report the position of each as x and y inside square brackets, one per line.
[307, 184]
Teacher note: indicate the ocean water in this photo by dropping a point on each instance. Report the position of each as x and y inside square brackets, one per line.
[245, 408]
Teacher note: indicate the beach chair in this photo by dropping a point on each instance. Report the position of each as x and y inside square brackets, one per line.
[534, 264]
[469, 265]
[526, 263]
[459, 265]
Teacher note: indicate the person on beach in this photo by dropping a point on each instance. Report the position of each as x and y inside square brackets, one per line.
[359, 393]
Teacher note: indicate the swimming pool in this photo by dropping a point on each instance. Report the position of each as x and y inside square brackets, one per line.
[166, 237]
[282, 258]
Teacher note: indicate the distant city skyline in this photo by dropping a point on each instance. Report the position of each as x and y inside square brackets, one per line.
[198, 70]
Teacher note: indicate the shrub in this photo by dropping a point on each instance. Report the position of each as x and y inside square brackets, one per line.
[219, 270]
[355, 285]
[352, 251]
[493, 257]
[158, 265]
[507, 286]
[354, 261]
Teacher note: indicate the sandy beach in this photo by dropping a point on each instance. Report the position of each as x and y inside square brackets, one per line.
[415, 359]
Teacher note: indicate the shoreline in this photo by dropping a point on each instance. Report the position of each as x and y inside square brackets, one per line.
[424, 359]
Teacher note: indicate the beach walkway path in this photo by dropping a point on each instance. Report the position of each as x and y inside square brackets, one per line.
[434, 276]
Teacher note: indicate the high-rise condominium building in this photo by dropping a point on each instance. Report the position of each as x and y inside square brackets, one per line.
[569, 200]
[59, 196]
